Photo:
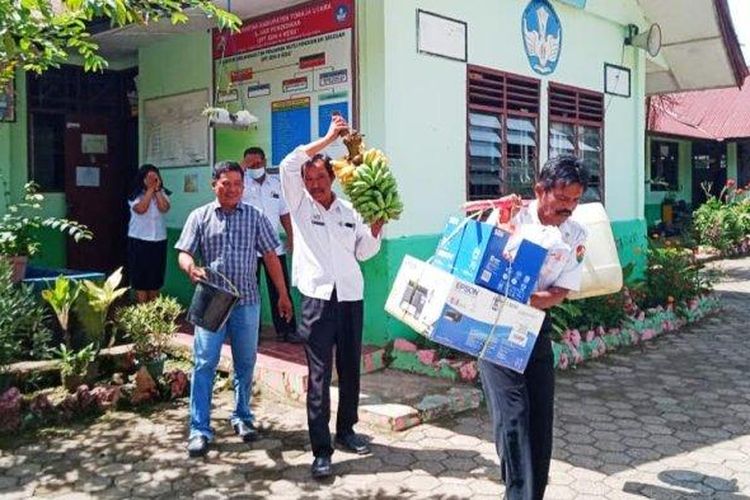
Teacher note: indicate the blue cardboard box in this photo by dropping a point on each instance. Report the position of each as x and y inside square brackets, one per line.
[463, 316]
[512, 340]
[515, 279]
[467, 318]
[463, 247]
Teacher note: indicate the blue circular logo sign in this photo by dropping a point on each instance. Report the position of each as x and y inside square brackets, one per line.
[342, 13]
[542, 36]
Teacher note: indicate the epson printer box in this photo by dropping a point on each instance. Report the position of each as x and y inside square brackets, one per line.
[462, 315]
[510, 343]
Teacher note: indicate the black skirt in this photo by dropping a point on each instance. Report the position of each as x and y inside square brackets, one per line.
[147, 261]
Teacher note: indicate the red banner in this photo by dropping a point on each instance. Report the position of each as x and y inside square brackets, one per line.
[305, 21]
[241, 75]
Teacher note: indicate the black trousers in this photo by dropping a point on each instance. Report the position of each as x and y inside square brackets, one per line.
[283, 329]
[327, 324]
[522, 411]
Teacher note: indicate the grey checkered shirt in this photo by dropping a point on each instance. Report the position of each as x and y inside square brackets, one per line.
[227, 242]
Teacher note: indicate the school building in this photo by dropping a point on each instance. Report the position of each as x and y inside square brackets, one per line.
[468, 100]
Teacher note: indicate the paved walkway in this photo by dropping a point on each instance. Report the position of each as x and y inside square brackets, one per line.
[671, 422]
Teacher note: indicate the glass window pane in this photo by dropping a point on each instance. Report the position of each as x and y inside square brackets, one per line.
[562, 139]
[521, 147]
[590, 152]
[480, 120]
[47, 158]
[485, 155]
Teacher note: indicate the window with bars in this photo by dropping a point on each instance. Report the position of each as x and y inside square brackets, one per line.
[502, 128]
[576, 126]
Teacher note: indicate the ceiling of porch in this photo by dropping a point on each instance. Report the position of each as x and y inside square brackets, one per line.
[699, 46]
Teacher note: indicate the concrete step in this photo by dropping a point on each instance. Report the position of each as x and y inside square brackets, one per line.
[281, 367]
[389, 399]
[396, 400]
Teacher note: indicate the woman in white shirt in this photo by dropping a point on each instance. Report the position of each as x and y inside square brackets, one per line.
[147, 233]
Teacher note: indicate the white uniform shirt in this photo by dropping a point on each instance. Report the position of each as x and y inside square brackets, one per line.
[564, 263]
[148, 226]
[327, 243]
[267, 197]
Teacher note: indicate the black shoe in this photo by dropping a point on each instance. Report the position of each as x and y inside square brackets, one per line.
[353, 443]
[321, 467]
[197, 446]
[247, 432]
[290, 338]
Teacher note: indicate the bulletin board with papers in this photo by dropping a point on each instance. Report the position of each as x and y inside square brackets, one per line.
[174, 130]
[293, 69]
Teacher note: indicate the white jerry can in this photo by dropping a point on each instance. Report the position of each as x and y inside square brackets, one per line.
[602, 272]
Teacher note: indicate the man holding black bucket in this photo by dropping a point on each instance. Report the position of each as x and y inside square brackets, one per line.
[227, 234]
[330, 240]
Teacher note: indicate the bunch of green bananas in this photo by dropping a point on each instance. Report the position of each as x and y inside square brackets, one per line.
[372, 189]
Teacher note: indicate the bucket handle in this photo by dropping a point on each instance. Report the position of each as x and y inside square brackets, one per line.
[232, 288]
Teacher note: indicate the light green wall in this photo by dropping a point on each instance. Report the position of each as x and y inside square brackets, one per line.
[424, 125]
[13, 152]
[177, 65]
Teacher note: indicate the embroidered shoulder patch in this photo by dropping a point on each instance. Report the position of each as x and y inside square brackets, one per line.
[580, 253]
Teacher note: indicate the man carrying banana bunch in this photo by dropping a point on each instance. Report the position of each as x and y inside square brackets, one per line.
[330, 241]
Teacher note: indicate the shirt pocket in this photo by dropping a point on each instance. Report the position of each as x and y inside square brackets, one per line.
[346, 232]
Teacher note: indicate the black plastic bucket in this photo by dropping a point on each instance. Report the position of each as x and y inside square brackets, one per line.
[211, 305]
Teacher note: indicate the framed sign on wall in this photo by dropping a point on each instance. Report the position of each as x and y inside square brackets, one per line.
[616, 80]
[441, 36]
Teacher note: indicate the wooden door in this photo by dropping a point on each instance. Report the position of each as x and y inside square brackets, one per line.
[96, 191]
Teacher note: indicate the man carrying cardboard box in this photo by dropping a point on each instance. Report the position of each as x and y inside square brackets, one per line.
[521, 404]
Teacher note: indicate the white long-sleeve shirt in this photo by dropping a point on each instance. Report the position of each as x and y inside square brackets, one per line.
[328, 244]
[266, 196]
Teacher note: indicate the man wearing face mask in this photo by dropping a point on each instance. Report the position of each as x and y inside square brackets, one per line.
[263, 192]
[522, 404]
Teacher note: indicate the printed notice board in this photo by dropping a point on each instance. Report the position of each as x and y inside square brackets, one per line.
[175, 131]
[289, 126]
[292, 69]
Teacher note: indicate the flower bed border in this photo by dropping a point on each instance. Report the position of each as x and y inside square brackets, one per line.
[575, 349]
[710, 254]
[26, 412]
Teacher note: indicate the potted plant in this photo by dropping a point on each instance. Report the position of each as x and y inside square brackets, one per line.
[93, 304]
[76, 367]
[150, 326]
[20, 226]
[61, 298]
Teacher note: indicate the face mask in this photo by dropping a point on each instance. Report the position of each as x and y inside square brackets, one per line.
[256, 173]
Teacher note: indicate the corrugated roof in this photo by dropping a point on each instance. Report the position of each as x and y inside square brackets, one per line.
[707, 114]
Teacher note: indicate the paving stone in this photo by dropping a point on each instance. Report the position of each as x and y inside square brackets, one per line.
[421, 482]
[669, 422]
[7, 481]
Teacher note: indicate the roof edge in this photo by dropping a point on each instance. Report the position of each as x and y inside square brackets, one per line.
[731, 42]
